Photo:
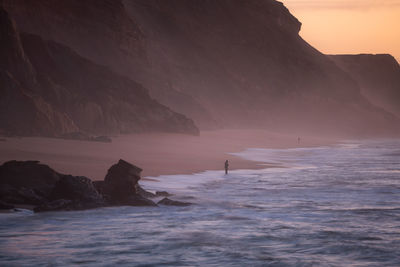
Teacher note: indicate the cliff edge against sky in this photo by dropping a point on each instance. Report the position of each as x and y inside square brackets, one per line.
[224, 64]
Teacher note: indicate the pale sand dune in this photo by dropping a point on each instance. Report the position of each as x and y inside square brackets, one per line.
[157, 154]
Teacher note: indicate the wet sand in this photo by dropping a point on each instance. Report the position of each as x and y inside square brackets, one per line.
[156, 154]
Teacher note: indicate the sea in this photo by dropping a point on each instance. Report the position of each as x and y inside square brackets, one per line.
[337, 205]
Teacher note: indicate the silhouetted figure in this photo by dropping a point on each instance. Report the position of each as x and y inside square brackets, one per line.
[226, 166]
[298, 140]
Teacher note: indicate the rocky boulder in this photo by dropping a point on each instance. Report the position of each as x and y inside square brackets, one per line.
[26, 182]
[56, 205]
[120, 181]
[142, 192]
[138, 200]
[170, 202]
[120, 186]
[77, 188]
[32, 183]
[163, 194]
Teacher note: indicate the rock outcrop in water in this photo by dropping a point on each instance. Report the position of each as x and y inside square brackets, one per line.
[120, 185]
[26, 182]
[34, 184]
[169, 202]
[226, 63]
[48, 89]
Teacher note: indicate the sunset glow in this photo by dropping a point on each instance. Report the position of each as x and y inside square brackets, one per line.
[349, 27]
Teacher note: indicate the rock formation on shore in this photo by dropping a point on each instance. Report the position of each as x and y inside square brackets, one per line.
[34, 184]
[120, 185]
[48, 89]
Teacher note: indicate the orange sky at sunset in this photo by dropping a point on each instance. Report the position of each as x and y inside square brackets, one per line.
[349, 27]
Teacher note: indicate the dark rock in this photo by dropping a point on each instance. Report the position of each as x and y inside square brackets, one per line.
[6, 206]
[26, 182]
[66, 205]
[163, 194]
[120, 186]
[31, 183]
[170, 202]
[138, 200]
[76, 188]
[144, 193]
[120, 182]
[10, 194]
[59, 204]
[3, 139]
[99, 186]
[29, 196]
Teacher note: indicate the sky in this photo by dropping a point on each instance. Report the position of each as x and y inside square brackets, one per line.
[349, 27]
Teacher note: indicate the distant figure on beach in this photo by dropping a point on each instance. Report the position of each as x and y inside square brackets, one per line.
[226, 166]
[298, 140]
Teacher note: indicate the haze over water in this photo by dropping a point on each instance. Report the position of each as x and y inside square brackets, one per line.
[328, 206]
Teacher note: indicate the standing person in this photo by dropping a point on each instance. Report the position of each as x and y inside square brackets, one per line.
[226, 166]
[298, 140]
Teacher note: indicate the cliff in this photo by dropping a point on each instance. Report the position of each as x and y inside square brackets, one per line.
[378, 77]
[21, 111]
[48, 89]
[222, 63]
[246, 64]
[103, 32]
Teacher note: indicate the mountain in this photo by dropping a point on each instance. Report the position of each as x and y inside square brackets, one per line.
[48, 89]
[225, 63]
[378, 77]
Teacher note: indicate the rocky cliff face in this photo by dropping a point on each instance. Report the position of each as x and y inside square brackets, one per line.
[246, 64]
[90, 27]
[23, 112]
[48, 89]
[97, 99]
[378, 77]
[223, 63]
[103, 32]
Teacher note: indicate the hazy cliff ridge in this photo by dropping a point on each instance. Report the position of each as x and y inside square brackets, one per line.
[227, 63]
[378, 77]
[47, 89]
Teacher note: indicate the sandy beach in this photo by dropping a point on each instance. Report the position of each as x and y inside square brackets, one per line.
[156, 154]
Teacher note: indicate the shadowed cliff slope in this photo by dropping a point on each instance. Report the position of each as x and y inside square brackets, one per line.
[48, 89]
[23, 112]
[103, 32]
[226, 63]
[378, 77]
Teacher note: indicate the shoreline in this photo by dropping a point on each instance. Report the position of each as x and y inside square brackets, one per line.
[156, 154]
